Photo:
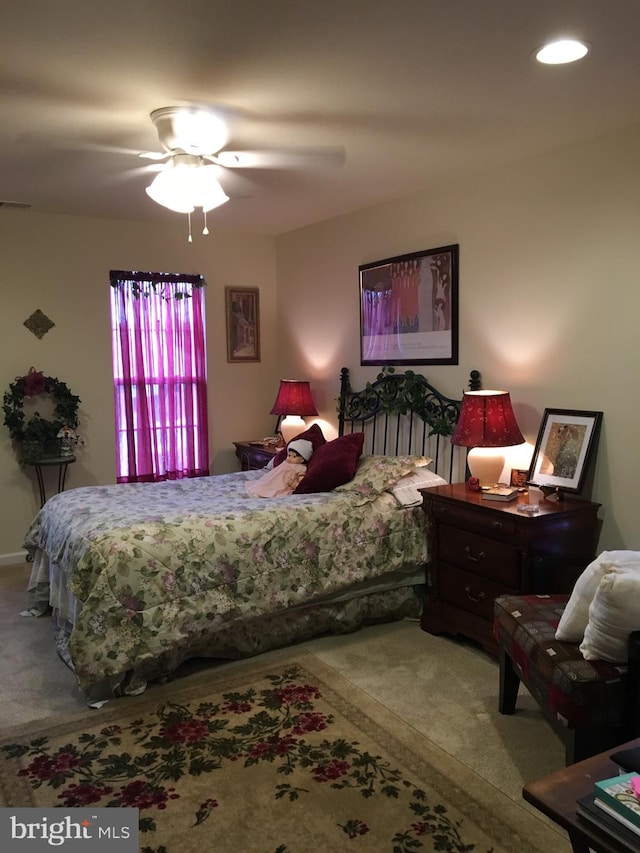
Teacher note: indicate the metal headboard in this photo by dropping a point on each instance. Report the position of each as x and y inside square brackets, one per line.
[402, 413]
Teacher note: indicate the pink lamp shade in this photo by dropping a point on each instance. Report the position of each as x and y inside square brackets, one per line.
[295, 402]
[486, 421]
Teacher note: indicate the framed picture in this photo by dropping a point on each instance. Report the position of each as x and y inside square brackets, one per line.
[243, 323]
[409, 308]
[565, 449]
[519, 477]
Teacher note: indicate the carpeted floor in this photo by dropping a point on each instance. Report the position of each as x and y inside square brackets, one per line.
[443, 689]
[285, 755]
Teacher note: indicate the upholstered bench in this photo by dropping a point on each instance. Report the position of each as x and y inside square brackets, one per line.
[592, 704]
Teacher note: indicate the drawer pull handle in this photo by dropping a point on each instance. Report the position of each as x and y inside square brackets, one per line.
[476, 599]
[473, 557]
[497, 525]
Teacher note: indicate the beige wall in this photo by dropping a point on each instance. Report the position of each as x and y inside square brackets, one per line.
[549, 297]
[549, 306]
[61, 266]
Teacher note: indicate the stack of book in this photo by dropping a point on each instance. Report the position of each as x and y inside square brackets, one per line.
[614, 808]
[500, 493]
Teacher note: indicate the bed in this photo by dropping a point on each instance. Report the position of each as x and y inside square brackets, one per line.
[141, 577]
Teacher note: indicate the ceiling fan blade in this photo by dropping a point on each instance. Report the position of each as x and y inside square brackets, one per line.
[149, 170]
[70, 143]
[281, 158]
[155, 155]
[235, 185]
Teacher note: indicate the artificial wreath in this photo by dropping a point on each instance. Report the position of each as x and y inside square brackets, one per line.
[37, 438]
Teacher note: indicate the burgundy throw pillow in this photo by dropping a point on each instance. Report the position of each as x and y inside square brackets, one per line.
[332, 464]
[313, 434]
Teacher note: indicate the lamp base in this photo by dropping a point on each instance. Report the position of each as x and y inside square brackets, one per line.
[290, 427]
[486, 463]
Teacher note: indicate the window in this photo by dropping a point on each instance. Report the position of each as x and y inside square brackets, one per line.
[159, 371]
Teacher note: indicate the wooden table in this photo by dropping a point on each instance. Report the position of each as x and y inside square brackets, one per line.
[555, 796]
[62, 463]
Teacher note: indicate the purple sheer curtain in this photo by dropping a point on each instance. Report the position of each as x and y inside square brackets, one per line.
[159, 368]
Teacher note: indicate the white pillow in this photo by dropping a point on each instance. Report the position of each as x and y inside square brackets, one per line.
[406, 491]
[613, 615]
[575, 617]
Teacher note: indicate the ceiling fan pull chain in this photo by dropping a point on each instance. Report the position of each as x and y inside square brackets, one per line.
[205, 230]
[190, 237]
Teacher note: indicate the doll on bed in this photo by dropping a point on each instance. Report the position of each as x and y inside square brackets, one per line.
[283, 478]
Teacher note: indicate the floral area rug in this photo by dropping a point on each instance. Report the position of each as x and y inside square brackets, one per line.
[284, 757]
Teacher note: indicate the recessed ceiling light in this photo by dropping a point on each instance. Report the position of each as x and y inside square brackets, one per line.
[562, 51]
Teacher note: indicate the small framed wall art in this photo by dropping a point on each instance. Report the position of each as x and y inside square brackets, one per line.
[243, 323]
[565, 450]
[409, 308]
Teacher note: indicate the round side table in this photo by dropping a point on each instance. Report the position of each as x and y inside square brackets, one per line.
[62, 462]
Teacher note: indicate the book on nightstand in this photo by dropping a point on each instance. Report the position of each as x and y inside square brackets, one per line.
[597, 817]
[500, 493]
[618, 798]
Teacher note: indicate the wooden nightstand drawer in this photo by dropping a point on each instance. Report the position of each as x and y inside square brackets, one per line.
[481, 549]
[478, 554]
[485, 519]
[472, 593]
[254, 454]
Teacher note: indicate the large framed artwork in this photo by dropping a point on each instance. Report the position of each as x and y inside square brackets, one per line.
[243, 323]
[409, 308]
[565, 450]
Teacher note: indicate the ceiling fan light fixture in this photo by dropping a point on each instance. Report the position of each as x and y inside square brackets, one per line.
[190, 129]
[185, 184]
[168, 193]
[210, 192]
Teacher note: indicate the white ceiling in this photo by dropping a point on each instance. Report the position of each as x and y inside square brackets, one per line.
[413, 90]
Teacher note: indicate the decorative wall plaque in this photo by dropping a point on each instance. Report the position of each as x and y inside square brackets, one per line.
[38, 323]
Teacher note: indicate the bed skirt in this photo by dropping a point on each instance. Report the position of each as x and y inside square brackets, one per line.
[389, 598]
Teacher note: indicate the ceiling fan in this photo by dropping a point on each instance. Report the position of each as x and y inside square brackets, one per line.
[193, 141]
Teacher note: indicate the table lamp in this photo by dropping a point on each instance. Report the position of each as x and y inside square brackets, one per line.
[294, 402]
[486, 425]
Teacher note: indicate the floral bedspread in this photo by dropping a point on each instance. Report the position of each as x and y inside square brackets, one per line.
[160, 565]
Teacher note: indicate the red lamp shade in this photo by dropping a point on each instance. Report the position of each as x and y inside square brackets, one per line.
[486, 420]
[294, 398]
[294, 402]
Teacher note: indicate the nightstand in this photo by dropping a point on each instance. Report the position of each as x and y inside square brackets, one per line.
[254, 454]
[480, 549]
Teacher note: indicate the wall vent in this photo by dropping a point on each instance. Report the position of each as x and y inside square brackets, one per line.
[14, 205]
